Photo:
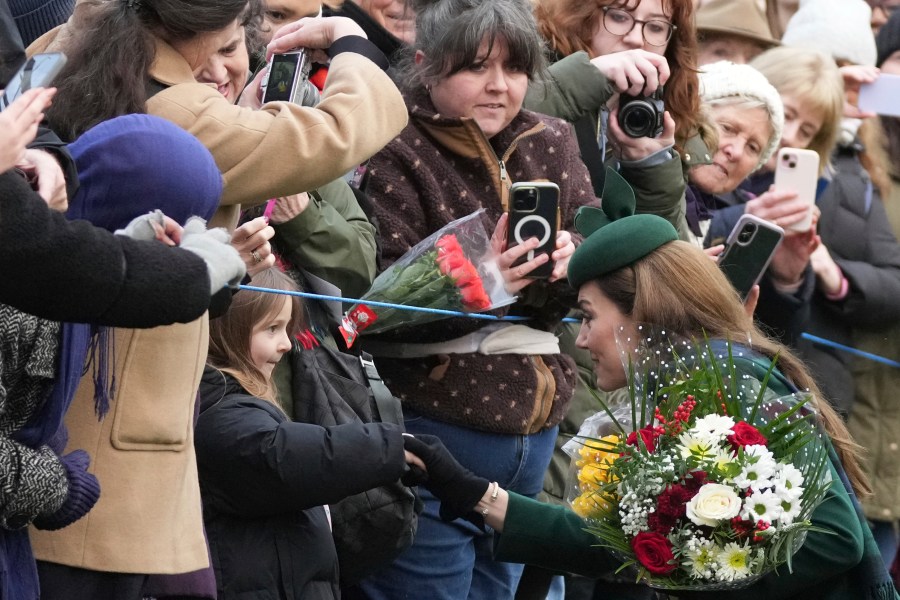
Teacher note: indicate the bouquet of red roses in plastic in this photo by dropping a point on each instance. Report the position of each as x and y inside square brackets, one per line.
[706, 480]
[455, 269]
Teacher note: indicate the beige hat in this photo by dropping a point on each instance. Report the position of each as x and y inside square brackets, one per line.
[741, 18]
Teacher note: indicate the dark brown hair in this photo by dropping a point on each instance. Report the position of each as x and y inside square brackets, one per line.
[112, 47]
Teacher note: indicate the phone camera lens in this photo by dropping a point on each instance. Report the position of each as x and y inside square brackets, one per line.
[792, 164]
[746, 233]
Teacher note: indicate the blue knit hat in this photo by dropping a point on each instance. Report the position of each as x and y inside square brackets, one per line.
[34, 18]
[134, 164]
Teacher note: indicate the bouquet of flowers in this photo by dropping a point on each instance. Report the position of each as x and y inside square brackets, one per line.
[705, 480]
[454, 269]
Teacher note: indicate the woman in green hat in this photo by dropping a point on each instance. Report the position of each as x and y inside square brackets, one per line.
[656, 279]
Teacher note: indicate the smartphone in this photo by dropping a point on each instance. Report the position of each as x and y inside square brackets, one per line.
[748, 252]
[534, 212]
[38, 71]
[798, 171]
[288, 78]
[881, 95]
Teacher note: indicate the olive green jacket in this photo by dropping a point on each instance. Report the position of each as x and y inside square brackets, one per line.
[829, 566]
[331, 239]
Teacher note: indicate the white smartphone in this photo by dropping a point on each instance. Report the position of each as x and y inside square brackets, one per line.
[882, 96]
[798, 171]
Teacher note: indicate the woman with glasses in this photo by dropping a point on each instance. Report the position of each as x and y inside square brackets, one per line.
[611, 48]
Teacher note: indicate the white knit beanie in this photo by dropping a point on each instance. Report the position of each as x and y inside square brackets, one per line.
[841, 28]
[725, 79]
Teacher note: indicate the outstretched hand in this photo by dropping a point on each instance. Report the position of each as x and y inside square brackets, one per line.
[458, 489]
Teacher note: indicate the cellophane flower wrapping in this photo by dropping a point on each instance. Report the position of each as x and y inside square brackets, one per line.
[454, 269]
[705, 479]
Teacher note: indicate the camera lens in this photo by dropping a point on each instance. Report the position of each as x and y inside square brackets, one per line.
[746, 233]
[636, 120]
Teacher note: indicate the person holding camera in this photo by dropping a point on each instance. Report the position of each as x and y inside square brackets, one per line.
[625, 76]
[469, 139]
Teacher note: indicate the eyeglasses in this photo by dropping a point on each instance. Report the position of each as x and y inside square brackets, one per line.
[621, 22]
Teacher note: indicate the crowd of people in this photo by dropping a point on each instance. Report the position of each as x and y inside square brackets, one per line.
[156, 435]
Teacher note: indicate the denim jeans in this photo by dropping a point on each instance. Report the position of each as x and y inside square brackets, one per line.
[453, 561]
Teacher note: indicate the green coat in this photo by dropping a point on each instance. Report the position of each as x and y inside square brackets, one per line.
[331, 239]
[827, 566]
[875, 420]
[575, 89]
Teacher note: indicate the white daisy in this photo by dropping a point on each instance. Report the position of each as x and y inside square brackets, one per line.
[712, 427]
[758, 468]
[701, 560]
[699, 447]
[764, 506]
[790, 509]
[734, 562]
[788, 481]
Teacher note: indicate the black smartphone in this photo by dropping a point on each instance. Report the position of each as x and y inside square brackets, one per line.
[38, 71]
[748, 252]
[534, 213]
[288, 79]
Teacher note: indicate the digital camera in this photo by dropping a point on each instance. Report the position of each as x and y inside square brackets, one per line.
[642, 116]
[288, 80]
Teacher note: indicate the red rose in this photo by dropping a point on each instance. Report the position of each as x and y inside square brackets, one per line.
[647, 434]
[654, 552]
[474, 297]
[448, 261]
[746, 434]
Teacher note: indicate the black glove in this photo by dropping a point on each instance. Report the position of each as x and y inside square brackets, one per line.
[458, 489]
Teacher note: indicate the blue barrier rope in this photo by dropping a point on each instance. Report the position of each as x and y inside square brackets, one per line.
[457, 313]
[854, 351]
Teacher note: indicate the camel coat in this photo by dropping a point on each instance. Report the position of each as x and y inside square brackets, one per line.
[283, 148]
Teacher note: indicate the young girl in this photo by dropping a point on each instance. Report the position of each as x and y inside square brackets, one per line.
[264, 479]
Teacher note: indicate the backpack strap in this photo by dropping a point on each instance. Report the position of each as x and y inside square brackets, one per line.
[389, 408]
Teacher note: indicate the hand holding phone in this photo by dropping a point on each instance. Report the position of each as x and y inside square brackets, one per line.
[880, 96]
[39, 71]
[534, 213]
[797, 170]
[748, 251]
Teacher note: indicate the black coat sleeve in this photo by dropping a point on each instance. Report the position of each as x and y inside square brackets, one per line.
[874, 293]
[12, 50]
[72, 271]
[48, 141]
[253, 462]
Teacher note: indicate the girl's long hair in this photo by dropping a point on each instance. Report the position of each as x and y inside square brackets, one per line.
[229, 335]
[677, 287]
[568, 26]
[112, 47]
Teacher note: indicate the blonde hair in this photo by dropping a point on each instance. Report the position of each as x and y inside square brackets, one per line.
[678, 287]
[814, 79]
[230, 334]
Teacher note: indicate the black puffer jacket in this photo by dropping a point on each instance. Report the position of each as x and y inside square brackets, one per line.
[264, 479]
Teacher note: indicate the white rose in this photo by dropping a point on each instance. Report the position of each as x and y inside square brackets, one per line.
[713, 504]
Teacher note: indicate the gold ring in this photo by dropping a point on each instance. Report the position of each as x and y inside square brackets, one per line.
[256, 257]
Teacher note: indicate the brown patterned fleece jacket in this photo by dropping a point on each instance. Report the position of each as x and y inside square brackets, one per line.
[440, 169]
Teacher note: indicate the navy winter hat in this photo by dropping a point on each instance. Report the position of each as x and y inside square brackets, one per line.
[888, 39]
[134, 164]
[34, 18]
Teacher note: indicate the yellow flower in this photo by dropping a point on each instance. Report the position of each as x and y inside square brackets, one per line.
[592, 505]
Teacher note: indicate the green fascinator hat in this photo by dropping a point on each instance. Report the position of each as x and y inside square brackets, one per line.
[614, 237]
